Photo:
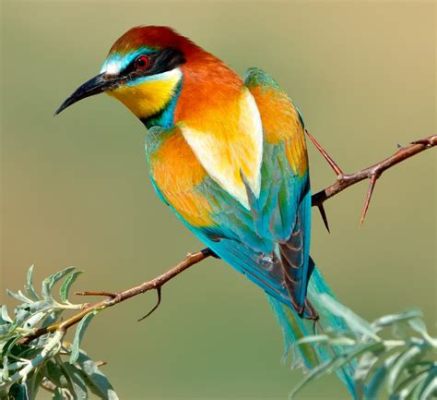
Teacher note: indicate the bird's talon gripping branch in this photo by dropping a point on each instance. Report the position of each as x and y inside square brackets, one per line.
[208, 252]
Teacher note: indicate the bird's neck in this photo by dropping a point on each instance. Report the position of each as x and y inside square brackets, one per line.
[208, 89]
[164, 118]
[203, 96]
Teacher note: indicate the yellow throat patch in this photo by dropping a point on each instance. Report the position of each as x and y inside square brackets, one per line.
[150, 95]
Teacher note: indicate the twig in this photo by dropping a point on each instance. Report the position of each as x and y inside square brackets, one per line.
[372, 173]
[343, 181]
[116, 298]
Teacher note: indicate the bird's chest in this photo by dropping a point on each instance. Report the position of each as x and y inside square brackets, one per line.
[177, 174]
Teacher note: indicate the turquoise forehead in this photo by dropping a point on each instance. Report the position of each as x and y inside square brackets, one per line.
[116, 61]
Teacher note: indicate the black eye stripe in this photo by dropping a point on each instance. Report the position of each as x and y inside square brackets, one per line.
[160, 61]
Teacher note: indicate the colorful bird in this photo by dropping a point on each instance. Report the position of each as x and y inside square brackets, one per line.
[228, 156]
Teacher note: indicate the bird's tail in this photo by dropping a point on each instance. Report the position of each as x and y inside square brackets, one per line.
[310, 355]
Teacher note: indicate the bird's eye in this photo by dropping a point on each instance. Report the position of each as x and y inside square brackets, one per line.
[142, 62]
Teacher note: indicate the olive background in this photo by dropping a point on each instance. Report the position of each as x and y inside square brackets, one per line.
[75, 189]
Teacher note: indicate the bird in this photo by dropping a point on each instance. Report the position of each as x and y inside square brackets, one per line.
[228, 156]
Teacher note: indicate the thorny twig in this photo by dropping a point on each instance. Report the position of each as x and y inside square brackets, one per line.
[372, 173]
[343, 181]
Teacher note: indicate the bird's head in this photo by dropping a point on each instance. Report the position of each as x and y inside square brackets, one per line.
[143, 70]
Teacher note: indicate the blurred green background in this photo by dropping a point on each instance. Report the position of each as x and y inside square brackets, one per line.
[74, 189]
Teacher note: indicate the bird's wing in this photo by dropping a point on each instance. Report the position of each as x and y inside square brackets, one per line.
[267, 236]
[284, 130]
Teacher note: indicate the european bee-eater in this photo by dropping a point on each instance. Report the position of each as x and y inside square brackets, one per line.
[228, 156]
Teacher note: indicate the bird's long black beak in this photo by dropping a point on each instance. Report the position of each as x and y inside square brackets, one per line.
[96, 85]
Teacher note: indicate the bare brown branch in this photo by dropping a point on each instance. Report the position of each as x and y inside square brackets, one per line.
[372, 173]
[115, 298]
[343, 182]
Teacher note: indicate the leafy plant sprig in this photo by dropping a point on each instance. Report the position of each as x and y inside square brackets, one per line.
[394, 356]
[49, 361]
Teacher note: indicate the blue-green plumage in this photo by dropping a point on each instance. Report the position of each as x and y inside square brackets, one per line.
[269, 242]
[229, 158]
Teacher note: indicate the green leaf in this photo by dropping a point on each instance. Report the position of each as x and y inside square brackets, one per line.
[376, 375]
[19, 392]
[58, 395]
[55, 373]
[48, 283]
[96, 380]
[374, 348]
[33, 383]
[407, 386]
[365, 364]
[80, 331]
[356, 323]
[313, 374]
[5, 318]
[333, 341]
[18, 296]
[374, 385]
[51, 318]
[429, 386]
[77, 382]
[66, 285]
[400, 363]
[313, 339]
[29, 289]
[419, 326]
[394, 318]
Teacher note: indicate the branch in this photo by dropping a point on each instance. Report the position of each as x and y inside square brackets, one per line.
[343, 181]
[115, 298]
[372, 173]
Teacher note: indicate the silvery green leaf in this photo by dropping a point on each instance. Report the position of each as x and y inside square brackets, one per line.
[97, 382]
[378, 374]
[51, 318]
[80, 331]
[58, 395]
[419, 326]
[76, 381]
[400, 363]
[5, 318]
[33, 383]
[48, 283]
[19, 392]
[29, 289]
[54, 373]
[429, 387]
[374, 348]
[314, 338]
[66, 285]
[4, 330]
[313, 374]
[387, 320]
[365, 364]
[356, 323]
[36, 306]
[34, 320]
[374, 385]
[405, 388]
[8, 345]
[18, 296]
